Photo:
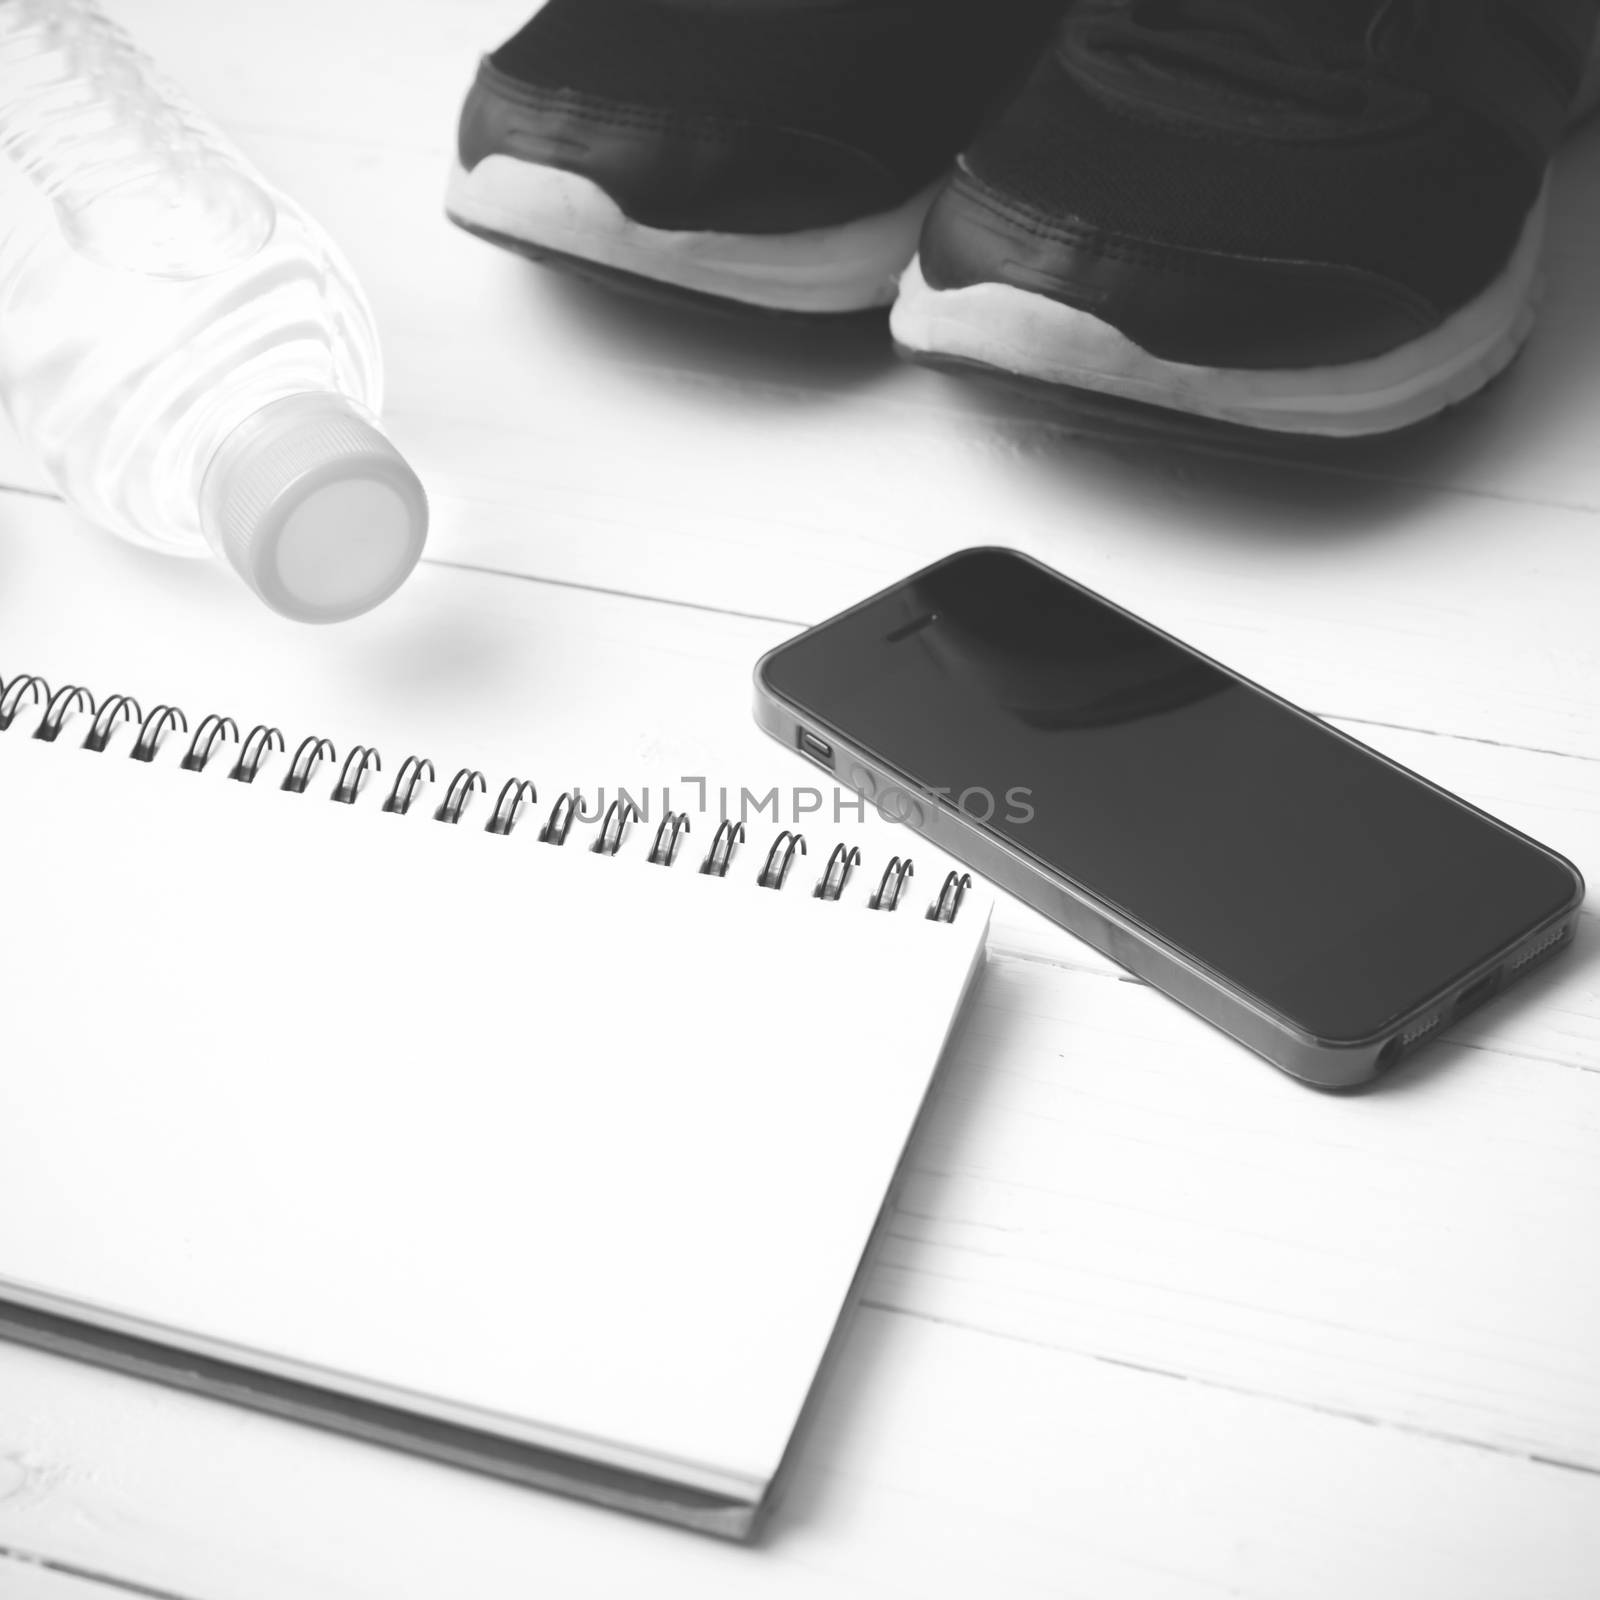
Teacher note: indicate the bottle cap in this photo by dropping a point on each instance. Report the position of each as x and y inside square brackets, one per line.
[315, 509]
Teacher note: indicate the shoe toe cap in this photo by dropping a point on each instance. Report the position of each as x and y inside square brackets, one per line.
[1198, 307]
[671, 170]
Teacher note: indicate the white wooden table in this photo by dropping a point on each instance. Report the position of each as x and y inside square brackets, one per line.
[1152, 1320]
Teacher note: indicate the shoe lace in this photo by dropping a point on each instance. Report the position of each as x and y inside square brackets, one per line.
[1312, 51]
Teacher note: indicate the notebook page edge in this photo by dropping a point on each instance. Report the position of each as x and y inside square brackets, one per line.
[623, 1488]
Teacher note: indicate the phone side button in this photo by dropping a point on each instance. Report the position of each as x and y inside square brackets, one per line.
[862, 781]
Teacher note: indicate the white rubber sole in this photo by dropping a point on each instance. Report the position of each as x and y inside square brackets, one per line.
[852, 267]
[1013, 330]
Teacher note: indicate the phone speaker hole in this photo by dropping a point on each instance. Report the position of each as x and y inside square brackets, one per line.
[1416, 1034]
[1537, 952]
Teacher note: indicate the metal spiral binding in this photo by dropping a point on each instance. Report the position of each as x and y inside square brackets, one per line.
[11, 697]
[205, 741]
[459, 793]
[354, 773]
[61, 706]
[837, 873]
[562, 815]
[618, 815]
[509, 806]
[120, 708]
[414, 772]
[154, 729]
[780, 858]
[668, 837]
[310, 753]
[729, 836]
[259, 743]
[891, 885]
[955, 888]
[517, 795]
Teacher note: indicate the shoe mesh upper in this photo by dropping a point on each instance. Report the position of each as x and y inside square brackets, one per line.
[905, 83]
[1436, 205]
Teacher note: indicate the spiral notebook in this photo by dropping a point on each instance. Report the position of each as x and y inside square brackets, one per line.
[459, 1117]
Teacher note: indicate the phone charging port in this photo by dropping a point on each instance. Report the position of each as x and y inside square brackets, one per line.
[817, 749]
[1475, 994]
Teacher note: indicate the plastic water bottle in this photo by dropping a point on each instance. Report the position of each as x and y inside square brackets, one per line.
[186, 352]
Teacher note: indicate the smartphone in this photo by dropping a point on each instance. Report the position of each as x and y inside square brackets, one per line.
[1317, 901]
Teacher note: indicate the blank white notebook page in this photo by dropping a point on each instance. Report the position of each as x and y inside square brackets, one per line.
[581, 1150]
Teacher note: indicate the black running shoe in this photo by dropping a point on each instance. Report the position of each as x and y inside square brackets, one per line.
[777, 152]
[1315, 216]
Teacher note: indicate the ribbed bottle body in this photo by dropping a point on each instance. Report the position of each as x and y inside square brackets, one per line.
[155, 291]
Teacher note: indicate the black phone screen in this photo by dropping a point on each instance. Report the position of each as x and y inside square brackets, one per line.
[1293, 863]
